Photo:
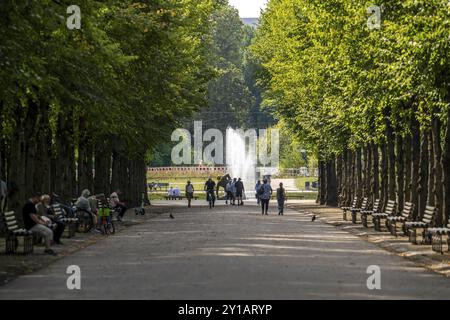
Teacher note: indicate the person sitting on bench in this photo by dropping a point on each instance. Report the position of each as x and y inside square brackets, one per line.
[84, 205]
[170, 194]
[45, 210]
[177, 192]
[36, 224]
[115, 204]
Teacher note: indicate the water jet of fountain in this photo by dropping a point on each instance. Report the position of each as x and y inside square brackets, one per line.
[242, 157]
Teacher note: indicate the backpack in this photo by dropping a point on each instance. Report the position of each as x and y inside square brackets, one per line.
[261, 190]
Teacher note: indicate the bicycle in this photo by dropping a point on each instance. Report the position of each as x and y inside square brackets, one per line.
[106, 221]
[141, 210]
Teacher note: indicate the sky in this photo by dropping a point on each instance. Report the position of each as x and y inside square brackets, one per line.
[248, 8]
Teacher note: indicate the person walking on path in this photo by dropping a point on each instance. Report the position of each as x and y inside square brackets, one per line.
[265, 193]
[229, 196]
[210, 195]
[233, 191]
[239, 192]
[189, 193]
[281, 199]
[257, 187]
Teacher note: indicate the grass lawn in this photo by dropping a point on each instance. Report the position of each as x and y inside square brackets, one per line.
[300, 182]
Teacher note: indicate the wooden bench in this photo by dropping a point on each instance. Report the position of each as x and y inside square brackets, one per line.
[355, 211]
[425, 223]
[378, 217]
[405, 216]
[437, 235]
[366, 213]
[60, 215]
[15, 231]
[346, 209]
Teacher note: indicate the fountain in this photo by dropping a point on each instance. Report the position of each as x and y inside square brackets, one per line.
[242, 158]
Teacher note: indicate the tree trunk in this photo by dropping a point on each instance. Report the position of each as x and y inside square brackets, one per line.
[102, 168]
[391, 162]
[431, 169]
[331, 199]
[359, 176]
[339, 178]
[446, 167]
[348, 178]
[85, 163]
[384, 176]
[422, 186]
[322, 182]
[437, 170]
[400, 173]
[16, 175]
[353, 179]
[376, 172]
[415, 159]
[367, 170]
[408, 168]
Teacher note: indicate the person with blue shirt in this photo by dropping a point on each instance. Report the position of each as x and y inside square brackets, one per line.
[265, 193]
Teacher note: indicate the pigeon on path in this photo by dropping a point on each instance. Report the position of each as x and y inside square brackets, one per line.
[171, 216]
[313, 218]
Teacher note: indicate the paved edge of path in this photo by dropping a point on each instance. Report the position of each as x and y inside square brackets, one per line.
[420, 255]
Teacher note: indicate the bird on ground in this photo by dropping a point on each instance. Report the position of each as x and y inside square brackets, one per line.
[171, 216]
[313, 218]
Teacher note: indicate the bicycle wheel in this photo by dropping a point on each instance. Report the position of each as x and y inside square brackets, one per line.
[110, 228]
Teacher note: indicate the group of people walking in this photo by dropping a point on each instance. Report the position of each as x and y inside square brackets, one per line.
[235, 192]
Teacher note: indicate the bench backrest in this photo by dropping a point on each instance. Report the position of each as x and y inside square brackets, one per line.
[429, 214]
[390, 208]
[365, 203]
[407, 210]
[355, 202]
[57, 210]
[102, 205]
[11, 222]
[376, 206]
